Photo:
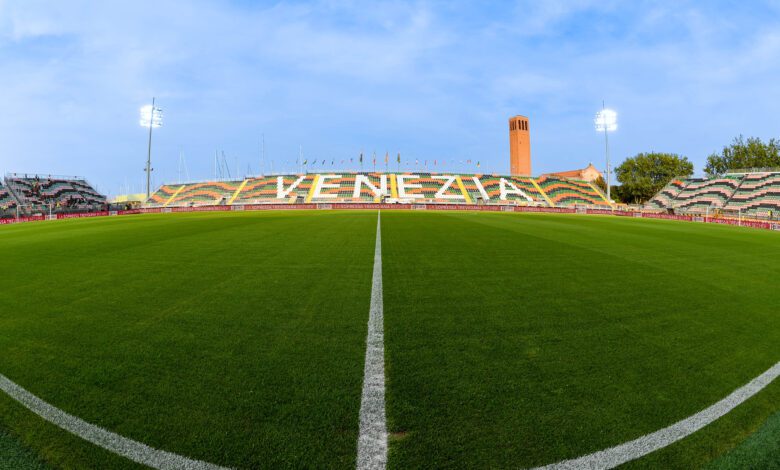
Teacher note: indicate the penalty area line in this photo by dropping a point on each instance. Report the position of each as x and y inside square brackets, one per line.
[133, 450]
[618, 455]
[372, 441]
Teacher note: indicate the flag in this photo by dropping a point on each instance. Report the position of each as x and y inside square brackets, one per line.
[398, 159]
[387, 157]
[332, 162]
[374, 158]
[323, 162]
[306, 162]
[361, 157]
[477, 164]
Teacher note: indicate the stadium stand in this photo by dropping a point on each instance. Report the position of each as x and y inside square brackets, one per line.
[8, 202]
[520, 189]
[428, 188]
[758, 195]
[337, 187]
[373, 187]
[665, 197]
[701, 196]
[163, 194]
[58, 194]
[565, 192]
[202, 194]
[733, 194]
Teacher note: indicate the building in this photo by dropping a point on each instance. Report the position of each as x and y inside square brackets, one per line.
[589, 173]
[519, 146]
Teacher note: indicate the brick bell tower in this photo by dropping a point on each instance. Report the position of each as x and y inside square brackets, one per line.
[519, 146]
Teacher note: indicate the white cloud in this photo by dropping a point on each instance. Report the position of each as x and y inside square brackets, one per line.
[431, 77]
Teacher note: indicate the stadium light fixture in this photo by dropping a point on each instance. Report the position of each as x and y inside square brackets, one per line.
[151, 117]
[606, 122]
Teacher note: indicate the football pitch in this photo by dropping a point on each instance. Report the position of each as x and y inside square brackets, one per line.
[510, 340]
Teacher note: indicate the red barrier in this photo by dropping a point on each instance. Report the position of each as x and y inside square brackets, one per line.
[81, 215]
[744, 223]
[551, 210]
[360, 205]
[442, 207]
[34, 218]
[277, 207]
[656, 215]
[201, 209]
[599, 211]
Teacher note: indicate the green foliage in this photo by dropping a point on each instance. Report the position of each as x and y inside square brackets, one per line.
[601, 184]
[744, 154]
[643, 175]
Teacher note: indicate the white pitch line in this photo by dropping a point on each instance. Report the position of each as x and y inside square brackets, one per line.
[618, 455]
[372, 442]
[133, 450]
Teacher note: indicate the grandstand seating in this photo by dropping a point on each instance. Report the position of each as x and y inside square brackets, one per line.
[758, 195]
[340, 187]
[525, 185]
[200, 194]
[7, 202]
[566, 192]
[418, 187]
[423, 188]
[667, 194]
[58, 194]
[162, 195]
[274, 189]
[706, 195]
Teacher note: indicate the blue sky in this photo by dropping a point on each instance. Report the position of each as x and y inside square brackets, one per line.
[431, 80]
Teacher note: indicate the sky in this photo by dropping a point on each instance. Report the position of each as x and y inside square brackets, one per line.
[331, 79]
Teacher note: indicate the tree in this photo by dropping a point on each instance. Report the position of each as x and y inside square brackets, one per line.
[643, 175]
[741, 154]
[602, 186]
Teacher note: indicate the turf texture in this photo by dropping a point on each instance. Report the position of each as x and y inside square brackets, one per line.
[13, 456]
[512, 340]
[238, 340]
[516, 341]
[761, 451]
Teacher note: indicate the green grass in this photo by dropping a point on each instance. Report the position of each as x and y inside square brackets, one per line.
[760, 451]
[14, 456]
[515, 341]
[235, 339]
[512, 340]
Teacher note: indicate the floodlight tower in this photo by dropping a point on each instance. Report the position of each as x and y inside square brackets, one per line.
[151, 117]
[606, 122]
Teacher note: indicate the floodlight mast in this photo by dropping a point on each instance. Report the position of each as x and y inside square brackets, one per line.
[151, 117]
[606, 120]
